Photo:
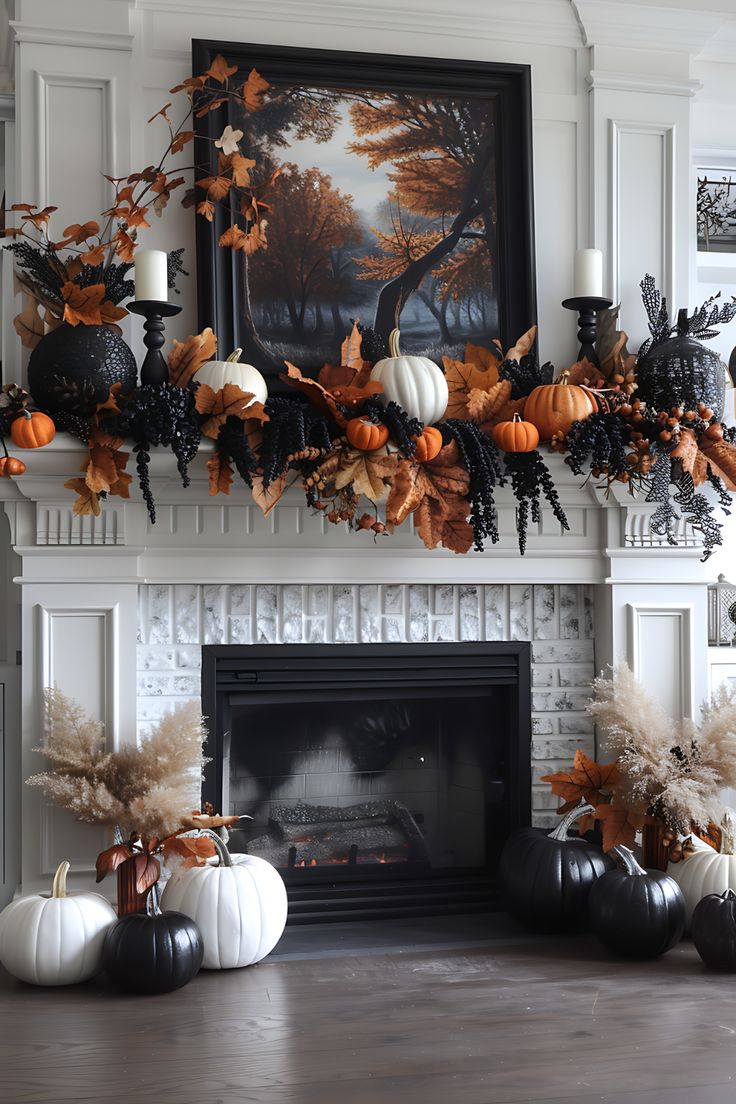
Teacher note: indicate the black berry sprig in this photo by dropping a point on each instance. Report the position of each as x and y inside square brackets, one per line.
[599, 442]
[529, 475]
[482, 462]
[401, 427]
[525, 374]
[293, 428]
[232, 444]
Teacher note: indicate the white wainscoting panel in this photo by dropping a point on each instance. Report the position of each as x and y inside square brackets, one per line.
[660, 654]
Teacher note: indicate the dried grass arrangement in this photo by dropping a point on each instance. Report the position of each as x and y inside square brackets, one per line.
[664, 772]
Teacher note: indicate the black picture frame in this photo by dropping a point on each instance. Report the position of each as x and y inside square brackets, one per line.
[508, 85]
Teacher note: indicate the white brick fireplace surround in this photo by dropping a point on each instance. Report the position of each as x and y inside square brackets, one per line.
[114, 611]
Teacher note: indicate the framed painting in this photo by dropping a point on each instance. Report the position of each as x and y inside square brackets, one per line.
[402, 197]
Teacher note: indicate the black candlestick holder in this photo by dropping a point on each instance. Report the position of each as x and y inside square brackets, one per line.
[154, 368]
[587, 307]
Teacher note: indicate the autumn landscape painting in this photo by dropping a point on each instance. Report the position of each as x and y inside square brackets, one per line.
[383, 205]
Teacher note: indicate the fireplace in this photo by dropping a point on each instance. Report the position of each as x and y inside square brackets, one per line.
[382, 780]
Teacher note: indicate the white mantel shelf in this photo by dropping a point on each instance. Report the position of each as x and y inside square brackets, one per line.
[198, 538]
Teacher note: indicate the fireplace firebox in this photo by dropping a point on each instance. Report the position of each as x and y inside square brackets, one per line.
[382, 780]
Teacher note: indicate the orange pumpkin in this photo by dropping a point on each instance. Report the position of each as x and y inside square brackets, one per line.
[516, 435]
[553, 407]
[32, 430]
[366, 436]
[429, 444]
[10, 465]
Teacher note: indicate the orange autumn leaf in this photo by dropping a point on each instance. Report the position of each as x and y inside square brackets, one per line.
[686, 450]
[181, 140]
[220, 473]
[216, 187]
[267, 497]
[87, 502]
[108, 861]
[102, 471]
[81, 232]
[147, 872]
[93, 256]
[462, 378]
[229, 401]
[585, 781]
[207, 209]
[722, 457]
[240, 168]
[137, 216]
[253, 91]
[88, 305]
[187, 357]
[219, 70]
[163, 112]
[350, 350]
[485, 406]
[487, 359]
[619, 824]
[318, 395]
[523, 345]
[124, 246]
[233, 238]
[189, 850]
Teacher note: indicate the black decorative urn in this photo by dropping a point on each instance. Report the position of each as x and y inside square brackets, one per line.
[73, 368]
[681, 372]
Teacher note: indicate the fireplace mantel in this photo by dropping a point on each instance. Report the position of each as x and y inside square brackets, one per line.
[83, 581]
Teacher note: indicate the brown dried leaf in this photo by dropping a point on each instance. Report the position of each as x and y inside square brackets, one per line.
[28, 324]
[585, 781]
[187, 357]
[189, 850]
[350, 353]
[444, 521]
[219, 70]
[108, 861]
[88, 305]
[102, 471]
[253, 91]
[523, 345]
[700, 469]
[463, 378]
[408, 488]
[87, 503]
[335, 375]
[619, 824]
[318, 395]
[487, 359]
[686, 450]
[722, 458]
[148, 872]
[267, 497]
[586, 373]
[484, 406]
[220, 473]
[229, 401]
[368, 472]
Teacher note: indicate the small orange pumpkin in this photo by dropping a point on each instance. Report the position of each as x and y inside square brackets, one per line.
[32, 430]
[366, 436]
[11, 465]
[516, 435]
[429, 444]
[553, 407]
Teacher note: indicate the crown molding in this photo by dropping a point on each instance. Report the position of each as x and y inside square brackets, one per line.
[641, 25]
[66, 36]
[635, 82]
[542, 22]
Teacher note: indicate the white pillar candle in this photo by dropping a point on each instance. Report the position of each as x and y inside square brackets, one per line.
[588, 280]
[151, 275]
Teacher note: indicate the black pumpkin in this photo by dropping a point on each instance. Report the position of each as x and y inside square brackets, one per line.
[73, 368]
[153, 952]
[635, 912]
[713, 928]
[681, 372]
[546, 877]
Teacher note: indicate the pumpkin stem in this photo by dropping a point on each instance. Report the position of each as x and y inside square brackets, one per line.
[516, 418]
[727, 834]
[564, 377]
[153, 907]
[58, 889]
[626, 855]
[223, 855]
[561, 830]
[728, 895]
[234, 356]
[393, 344]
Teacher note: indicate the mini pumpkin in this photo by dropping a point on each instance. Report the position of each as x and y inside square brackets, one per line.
[714, 930]
[11, 465]
[636, 912]
[414, 382]
[32, 430]
[366, 436]
[707, 871]
[153, 952]
[429, 444]
[217, 373]
[516, 435]
[55, 939]
[546, 876]
[554, 407]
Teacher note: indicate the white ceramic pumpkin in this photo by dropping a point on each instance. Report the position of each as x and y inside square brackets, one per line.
[706, 871]
[414, 382]
[56, 939]
[240, 907]
[216, 373]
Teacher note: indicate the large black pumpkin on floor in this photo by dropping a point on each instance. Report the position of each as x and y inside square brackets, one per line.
[546, 877]
[635, 912]
[73, 368]
[713, 928]
[681, 372]
[153, 952]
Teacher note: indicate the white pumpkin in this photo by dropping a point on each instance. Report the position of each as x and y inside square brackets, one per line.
[56, 939]
[240, 907]
[706, 871]
[216, 373]
[414, 382]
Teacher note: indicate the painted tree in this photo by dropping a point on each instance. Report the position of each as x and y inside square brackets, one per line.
[441, 153]
[311, 221]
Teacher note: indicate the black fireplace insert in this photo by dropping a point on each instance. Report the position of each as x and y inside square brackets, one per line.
[382, 779]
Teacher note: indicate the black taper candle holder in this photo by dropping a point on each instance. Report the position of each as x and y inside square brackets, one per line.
[154, 368]
[587, 307]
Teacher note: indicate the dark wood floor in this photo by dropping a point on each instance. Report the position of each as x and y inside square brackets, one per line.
[515, 1020]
